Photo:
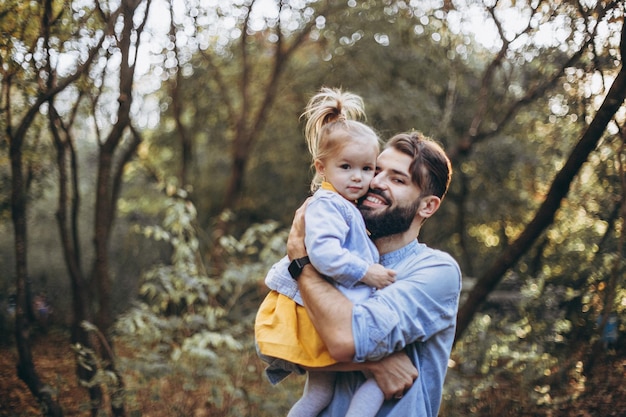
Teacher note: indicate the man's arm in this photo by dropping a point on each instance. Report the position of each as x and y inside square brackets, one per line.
[394, 374]
[331, 313]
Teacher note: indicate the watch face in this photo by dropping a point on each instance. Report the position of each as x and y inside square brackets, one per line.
[295, 267]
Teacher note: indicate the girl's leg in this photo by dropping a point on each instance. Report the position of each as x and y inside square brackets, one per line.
[367, 400]
[318, 391]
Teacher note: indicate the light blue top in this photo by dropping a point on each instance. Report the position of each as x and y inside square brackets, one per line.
[417, 313]
[337, 244]
[336, 238]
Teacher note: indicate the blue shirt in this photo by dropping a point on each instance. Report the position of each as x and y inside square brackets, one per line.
[418, 314]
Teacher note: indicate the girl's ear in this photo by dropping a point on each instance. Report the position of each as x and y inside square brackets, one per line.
[319, 167]
[428, 206]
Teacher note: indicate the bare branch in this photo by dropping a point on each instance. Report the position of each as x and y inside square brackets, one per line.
[474, 134]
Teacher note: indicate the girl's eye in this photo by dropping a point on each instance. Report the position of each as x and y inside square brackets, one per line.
[367, 169]
[344, 166]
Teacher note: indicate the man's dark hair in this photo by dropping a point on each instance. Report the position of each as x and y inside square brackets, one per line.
[430, 169]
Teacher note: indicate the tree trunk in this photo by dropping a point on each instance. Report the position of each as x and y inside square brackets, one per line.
[177, 108]
[25, 367]
[111, 161]
[69, 233]
[545, 215]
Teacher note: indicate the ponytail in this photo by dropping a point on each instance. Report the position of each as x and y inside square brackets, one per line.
[331, 108]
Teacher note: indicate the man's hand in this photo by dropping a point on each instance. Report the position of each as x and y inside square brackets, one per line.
[394, 374]
[295, 241]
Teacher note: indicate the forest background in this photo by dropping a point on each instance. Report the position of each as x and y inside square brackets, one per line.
[153, 156]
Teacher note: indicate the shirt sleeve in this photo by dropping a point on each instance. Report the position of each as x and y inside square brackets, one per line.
[278, 279]
[327, 227]
[413, 309]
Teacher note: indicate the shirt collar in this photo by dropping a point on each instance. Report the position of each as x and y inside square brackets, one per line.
[399, 254]
[327, 186]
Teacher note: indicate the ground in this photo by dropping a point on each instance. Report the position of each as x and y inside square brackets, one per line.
[55, 364]
[163, 397]
[604, 394]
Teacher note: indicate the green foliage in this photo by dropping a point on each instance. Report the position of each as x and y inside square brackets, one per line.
[102, 372]
[191, 324]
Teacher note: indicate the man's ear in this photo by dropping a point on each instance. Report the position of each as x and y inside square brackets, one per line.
[428, 206]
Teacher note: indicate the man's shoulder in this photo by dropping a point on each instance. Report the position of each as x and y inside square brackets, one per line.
[439, 254]
[424, 256]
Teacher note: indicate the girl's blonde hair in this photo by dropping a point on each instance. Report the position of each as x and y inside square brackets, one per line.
[329, 111]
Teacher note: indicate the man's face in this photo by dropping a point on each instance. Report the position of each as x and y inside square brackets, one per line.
[391, 205]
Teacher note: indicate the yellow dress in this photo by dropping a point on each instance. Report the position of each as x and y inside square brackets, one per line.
[284, 330]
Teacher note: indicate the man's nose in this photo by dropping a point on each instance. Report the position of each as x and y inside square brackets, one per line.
[377, 182]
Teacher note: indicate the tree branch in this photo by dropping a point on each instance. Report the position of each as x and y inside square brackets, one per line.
[545, 215]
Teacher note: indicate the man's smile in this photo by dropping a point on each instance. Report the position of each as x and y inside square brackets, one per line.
[375, 198]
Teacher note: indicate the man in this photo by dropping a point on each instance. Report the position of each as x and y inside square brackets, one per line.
[415, 318]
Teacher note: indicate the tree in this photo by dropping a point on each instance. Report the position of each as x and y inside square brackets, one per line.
[560, 186]
[245, 75]
[28, 25]
[114, 153]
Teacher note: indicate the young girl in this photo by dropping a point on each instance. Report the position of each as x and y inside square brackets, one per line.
[344, 153]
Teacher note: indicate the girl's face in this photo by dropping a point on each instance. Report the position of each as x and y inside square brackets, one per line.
[351, 169]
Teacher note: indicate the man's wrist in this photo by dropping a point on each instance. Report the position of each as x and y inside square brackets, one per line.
[297, 265]
[308, 270]
[370, 366]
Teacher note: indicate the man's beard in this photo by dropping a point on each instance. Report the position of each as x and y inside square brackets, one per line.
[389, 221]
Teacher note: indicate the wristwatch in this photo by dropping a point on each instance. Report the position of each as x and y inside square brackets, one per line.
[296, 266]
